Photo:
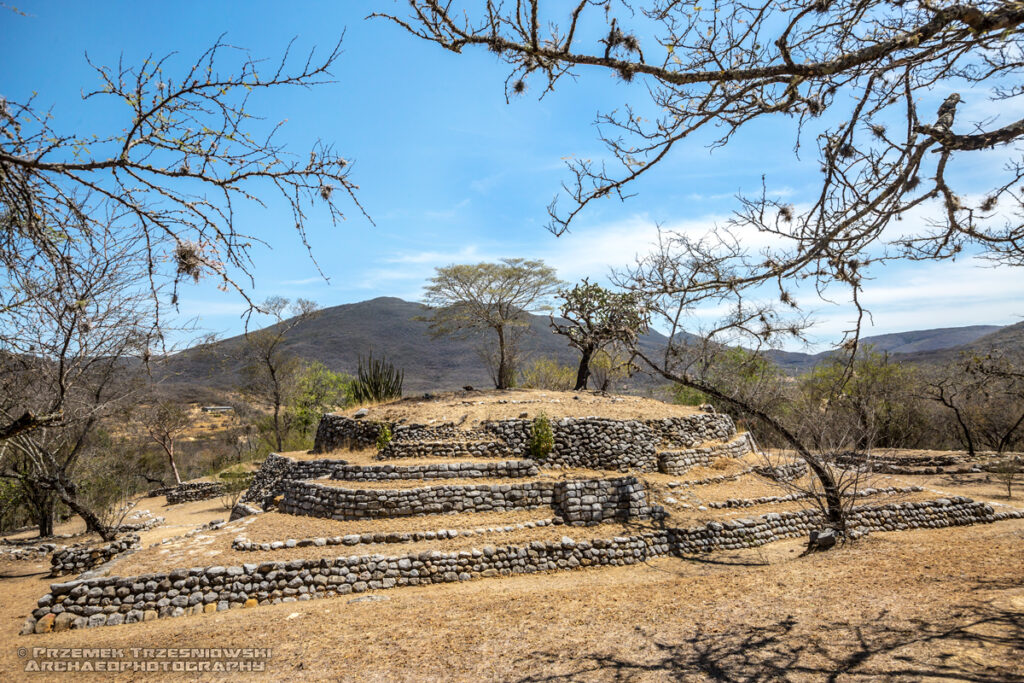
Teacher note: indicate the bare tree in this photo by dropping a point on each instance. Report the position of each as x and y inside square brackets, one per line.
[722, 66]
[164, 422]
[74, 351]
[271, 371]
[490, 297]
[854, 75]
[167, 179]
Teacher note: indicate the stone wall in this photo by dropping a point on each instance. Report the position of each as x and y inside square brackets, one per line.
[461, 470]
[117, 600]
[679, 462]
[578, 502]
[594, 442]
[318, 500]
[693, 430]
[266, 483]
[592, 501]
[335, 432]
[245, 545]
[444, 449]
[79, 558]
[28, 552]
[189, 492]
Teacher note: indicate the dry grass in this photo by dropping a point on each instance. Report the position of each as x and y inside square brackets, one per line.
[214, 547]
[274, 526]
[921, 605]
[471, 408]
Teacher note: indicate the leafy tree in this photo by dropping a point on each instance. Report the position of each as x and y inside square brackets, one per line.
[271, 372]
[596, 317]
[873, 393]
[318, 390]
[490, 297]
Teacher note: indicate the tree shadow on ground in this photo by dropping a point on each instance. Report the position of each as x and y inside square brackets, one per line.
[789, 651]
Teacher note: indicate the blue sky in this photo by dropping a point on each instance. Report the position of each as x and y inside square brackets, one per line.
[448, 171]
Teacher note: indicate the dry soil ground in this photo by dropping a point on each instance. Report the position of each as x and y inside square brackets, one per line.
[919, 605]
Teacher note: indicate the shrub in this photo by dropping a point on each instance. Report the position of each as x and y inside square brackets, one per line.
[378, 380]
[236, 483]
[383, 435]
[547, 373]
[542, 439]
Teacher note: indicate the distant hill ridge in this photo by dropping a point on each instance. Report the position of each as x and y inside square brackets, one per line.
[339, 335]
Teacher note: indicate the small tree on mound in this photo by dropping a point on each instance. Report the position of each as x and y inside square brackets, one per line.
[595, 317]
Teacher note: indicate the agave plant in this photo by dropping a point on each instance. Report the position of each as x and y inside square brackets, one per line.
[377, 380]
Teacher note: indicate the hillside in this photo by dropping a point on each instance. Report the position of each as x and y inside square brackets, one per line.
[935, 345]
[339, 335]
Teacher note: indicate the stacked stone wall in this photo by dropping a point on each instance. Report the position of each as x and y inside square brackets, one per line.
[462, 470]
[594, 442]
[681, 461]
[318, 500]
[335, 432]
[444, 449]
[192, 491]
[79, 558]
[266, 483]
[117, 600]
[593, 501]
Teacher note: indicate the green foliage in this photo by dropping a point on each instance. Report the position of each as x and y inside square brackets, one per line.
[483, 297]
[873, 395]
[542, 439]
[378, 381]
[547, 373]
[236, 482]
[383, 435]
[687, 396]
[318, 390]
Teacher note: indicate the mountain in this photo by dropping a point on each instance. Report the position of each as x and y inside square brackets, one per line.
[913, 346]
[387, 326]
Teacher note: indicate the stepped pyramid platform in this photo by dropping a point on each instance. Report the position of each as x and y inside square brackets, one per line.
[628, 479]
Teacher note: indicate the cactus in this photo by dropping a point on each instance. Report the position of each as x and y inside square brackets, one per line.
[378, 380]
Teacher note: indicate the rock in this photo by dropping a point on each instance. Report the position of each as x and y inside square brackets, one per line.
[361, 413]
[370, 598]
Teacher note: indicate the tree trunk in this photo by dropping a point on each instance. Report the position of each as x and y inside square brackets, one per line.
[1005, 441]
[43, 513]
[91, 519]
[503, 379]
[583, 374]
[966, 431]
[174, 466]
[277, 426]
[834, 512]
